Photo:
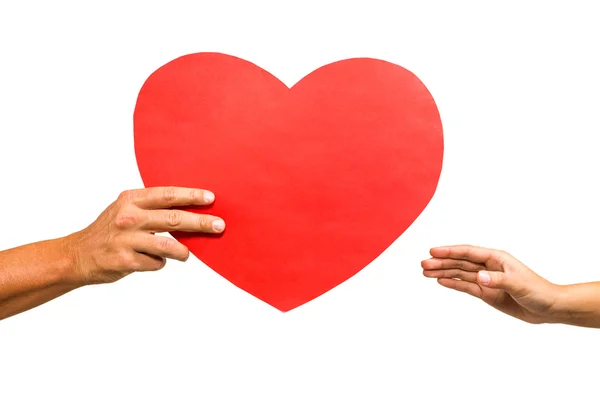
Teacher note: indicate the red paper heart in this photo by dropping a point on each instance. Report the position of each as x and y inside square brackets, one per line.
[313, 182]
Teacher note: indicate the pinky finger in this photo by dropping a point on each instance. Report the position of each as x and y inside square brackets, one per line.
[462, 286]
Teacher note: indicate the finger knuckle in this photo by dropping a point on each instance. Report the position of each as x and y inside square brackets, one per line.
[497, 279]
[502, 253]
[126, 219]
[501, 258]
[495, 256]
[126, 196]
[169, 194]
[174, 218]
[204, 222]
[499, 254]
[126, 260]
[165, 245]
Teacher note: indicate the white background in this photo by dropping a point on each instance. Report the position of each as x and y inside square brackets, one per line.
[518, 90]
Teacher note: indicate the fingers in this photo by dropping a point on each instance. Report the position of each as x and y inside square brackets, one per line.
[182, 221]
[121, 241]
[452, 274]
[449, 263]
[160, 247]
[474, 270]
[499, 280]
[462, 286]
[471, 273]
[167, 197]
[464, 252]
[145, 262]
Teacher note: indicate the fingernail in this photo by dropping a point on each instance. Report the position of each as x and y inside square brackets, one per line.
[209, 197]
[484, 277]
[218, 225]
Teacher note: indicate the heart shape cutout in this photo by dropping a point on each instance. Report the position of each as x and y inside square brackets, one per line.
[314, 182]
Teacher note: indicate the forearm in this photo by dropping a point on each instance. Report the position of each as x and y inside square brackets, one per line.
[34, 274]
[18, 304]
[578, 304]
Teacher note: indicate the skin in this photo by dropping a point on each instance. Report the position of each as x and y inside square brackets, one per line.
[120, 242]
[508, 285]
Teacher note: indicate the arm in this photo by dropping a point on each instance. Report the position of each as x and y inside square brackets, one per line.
[578, 304]
[121, 241]
[34, 274]
[510, 286]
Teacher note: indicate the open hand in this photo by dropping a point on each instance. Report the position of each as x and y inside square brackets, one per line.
[496, 277]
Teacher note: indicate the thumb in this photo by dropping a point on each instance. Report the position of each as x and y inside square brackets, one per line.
[498, 280]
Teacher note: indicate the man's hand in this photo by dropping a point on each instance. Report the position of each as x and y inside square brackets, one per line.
[498, 279]
[122, 240]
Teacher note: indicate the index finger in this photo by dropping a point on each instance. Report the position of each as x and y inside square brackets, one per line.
[464, 252]
[169, 196]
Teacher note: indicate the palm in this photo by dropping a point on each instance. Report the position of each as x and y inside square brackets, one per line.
[502, 301]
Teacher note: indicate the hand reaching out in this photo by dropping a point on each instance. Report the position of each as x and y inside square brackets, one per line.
[497, 278]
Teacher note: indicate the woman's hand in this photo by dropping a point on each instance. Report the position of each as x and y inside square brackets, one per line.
[498, 279]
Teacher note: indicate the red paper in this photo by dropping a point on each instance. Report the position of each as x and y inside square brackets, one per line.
[313, 182]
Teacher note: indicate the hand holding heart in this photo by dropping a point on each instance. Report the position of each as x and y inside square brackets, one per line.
[122, 240]
[315, 181]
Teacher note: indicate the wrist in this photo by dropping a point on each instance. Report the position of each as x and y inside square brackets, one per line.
[560, 310]
[71, 260]
[577, 304]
